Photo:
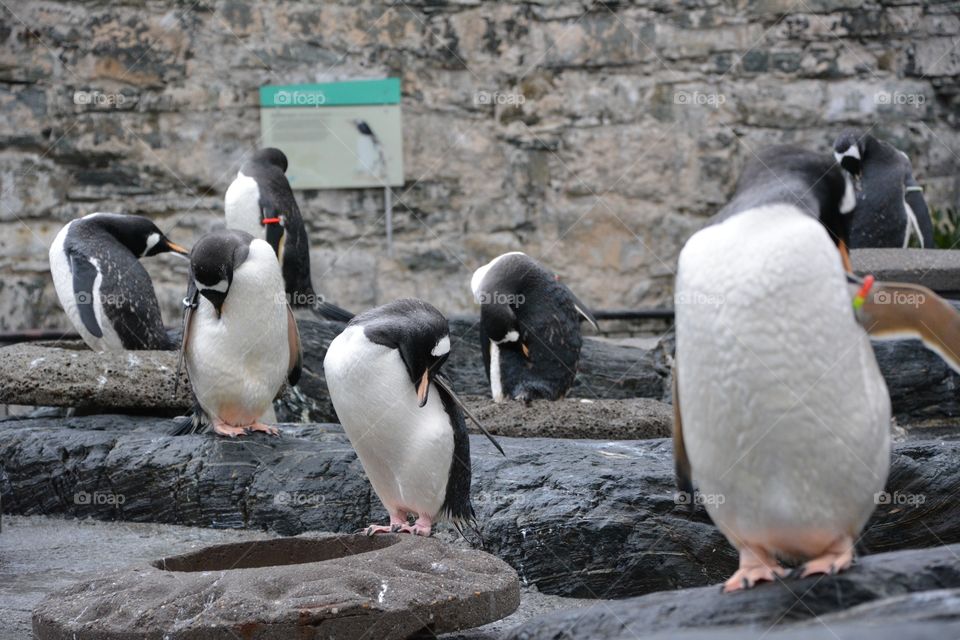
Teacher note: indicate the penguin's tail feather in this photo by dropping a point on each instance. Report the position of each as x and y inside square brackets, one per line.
[471, 523]
[329, 311]
[192, 423]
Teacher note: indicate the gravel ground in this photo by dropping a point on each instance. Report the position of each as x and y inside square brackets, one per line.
[39, 555]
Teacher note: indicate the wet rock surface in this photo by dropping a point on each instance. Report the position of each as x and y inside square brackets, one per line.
[353, 586]
[913, 593]
[573, 517]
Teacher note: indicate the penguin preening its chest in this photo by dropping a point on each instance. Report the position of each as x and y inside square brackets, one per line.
[260, 202]
[104, 290]
[529, 328]
[782, 417]
[890, 208]
[240, 340]
[401, 415]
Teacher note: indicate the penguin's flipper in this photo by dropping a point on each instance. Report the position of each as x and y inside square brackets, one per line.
[584, 311]
[444, 384]
[894, 310]
[84, 275]
[296, 349]
[329, 311]
[681, 462]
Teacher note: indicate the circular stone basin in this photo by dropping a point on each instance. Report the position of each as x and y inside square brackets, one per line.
[354, 586]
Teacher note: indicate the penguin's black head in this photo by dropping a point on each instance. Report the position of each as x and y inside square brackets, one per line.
[213, 261]
[889, 203]
[271, 155]
[138, 234]
[418, 331]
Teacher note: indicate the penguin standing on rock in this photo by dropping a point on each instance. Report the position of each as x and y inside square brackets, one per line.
[401, 415]
[781, 415]
[240, 339]
[890, 208]
[103, 288]
[529, 328]
[261, 202]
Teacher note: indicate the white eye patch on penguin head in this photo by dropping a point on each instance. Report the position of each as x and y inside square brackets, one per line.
[138, 234]
[213, 261]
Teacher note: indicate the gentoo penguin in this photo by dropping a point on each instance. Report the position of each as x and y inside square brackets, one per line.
[781, 416]
[240, 339]
[401, 415]
[105, 291]
[890, 207]
[261, 202]
[529, 328]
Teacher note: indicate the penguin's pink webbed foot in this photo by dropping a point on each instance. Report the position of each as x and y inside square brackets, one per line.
[422, 527]
[224, 429]
[838, 557]
[259, 426]
[397, 522]
[756, 565]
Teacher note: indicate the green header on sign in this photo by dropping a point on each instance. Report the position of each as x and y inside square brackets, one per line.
[331, 94]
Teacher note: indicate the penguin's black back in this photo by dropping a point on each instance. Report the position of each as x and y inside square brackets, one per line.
[548, 322]
[126, 290]
[790, 175]
[267, 167]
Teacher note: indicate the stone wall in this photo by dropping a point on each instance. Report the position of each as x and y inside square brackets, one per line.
[594, 136]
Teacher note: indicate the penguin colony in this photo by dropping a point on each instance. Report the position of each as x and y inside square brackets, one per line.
[778, 400]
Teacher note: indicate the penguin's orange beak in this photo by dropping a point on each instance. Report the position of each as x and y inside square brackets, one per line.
[172, 246]
[423, 389]
[845, 256]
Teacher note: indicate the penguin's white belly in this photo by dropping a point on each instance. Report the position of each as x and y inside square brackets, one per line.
[785, 413]
[242, 206]
[63, 284]
[239, 362]
[405, 450]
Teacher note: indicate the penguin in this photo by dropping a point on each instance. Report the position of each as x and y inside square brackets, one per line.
[104, 290]
[402, 416]
[261, 202]
[890, 208]
[240, 339]
[370, 157]
[529, 328]
[781, 415]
